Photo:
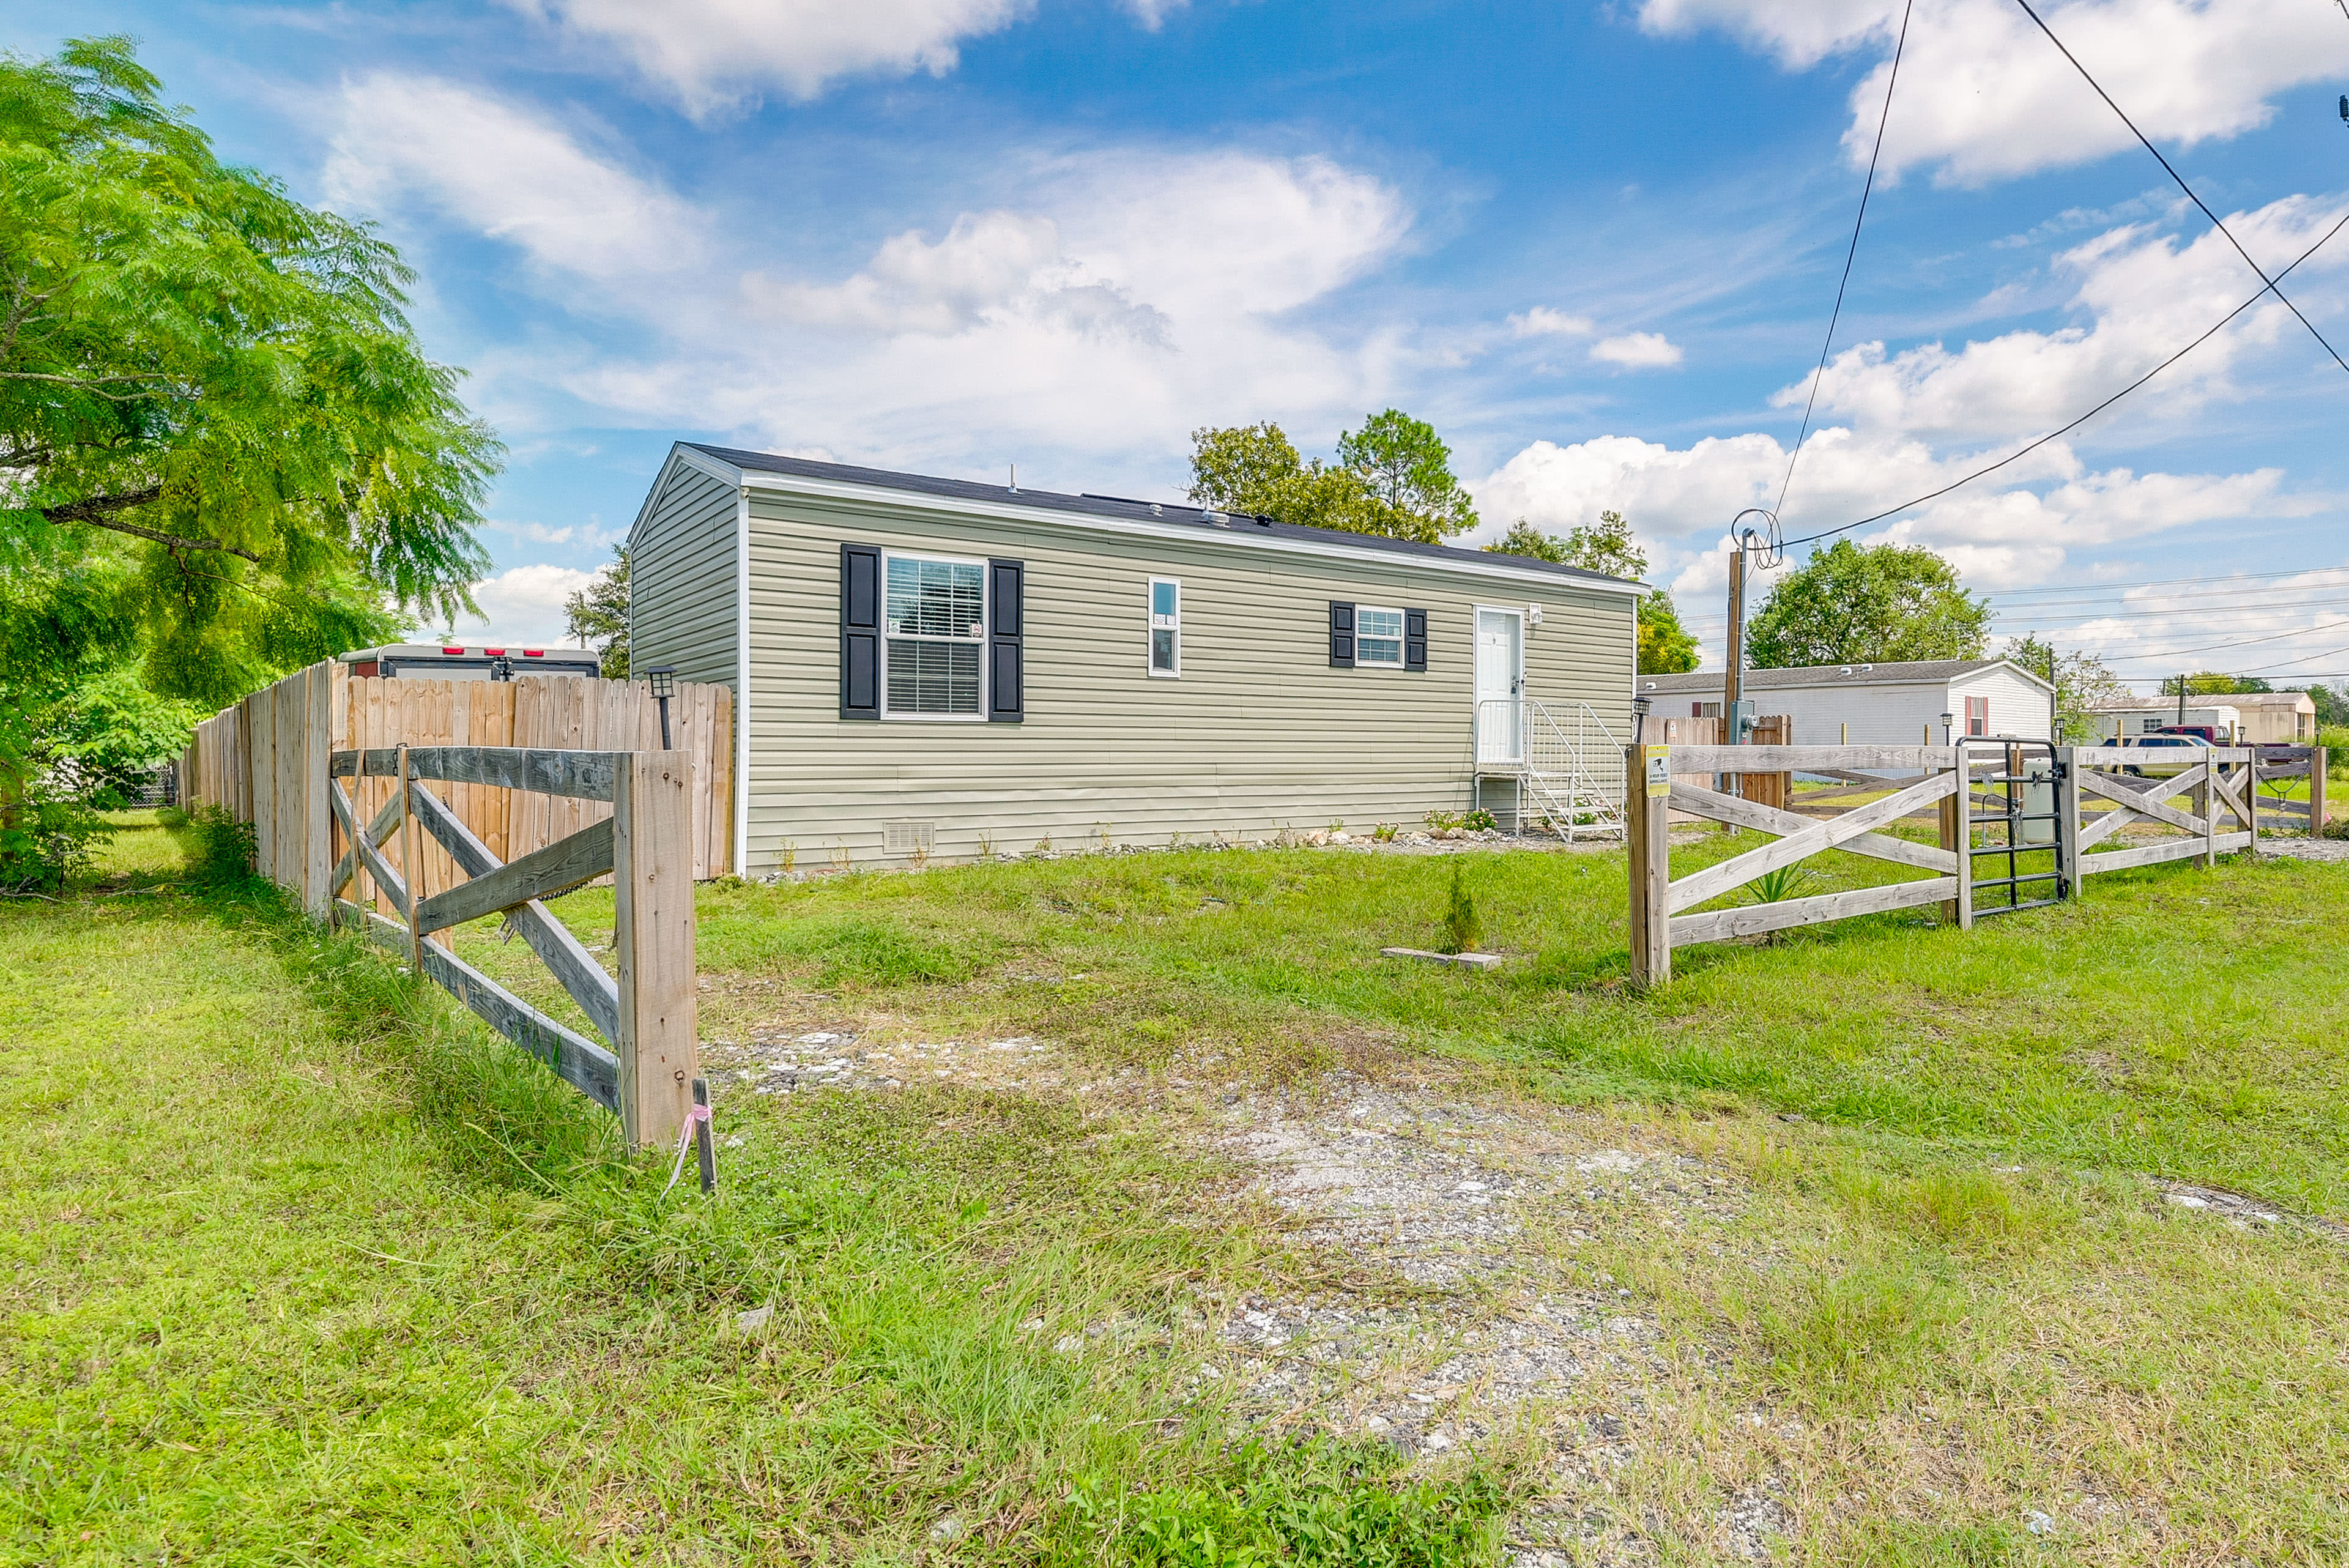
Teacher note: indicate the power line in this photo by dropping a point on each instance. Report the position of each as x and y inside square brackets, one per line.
[2077, 623]
[2247, 598]
[2158, 582]
[1819, 375]
[2182, 185]
[2242, 643]
[2084, 419]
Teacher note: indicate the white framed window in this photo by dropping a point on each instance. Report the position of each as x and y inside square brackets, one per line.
[1378, 636]
[1165, 626]
[934, 637]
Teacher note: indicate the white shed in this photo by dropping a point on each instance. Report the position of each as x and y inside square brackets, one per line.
[1875, 704]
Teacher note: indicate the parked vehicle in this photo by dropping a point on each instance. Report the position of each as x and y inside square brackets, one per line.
[2174, 741]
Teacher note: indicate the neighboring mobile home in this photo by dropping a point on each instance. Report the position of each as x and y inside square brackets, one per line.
[2240, 718]
[1897, 704]
[929, 667]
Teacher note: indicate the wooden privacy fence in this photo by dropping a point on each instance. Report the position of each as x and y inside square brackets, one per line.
[255, 759]
[2013, 800]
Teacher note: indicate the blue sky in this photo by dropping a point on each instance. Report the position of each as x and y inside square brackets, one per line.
[1595, 245]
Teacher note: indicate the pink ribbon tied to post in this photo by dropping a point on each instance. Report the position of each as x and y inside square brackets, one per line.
[696, 1117]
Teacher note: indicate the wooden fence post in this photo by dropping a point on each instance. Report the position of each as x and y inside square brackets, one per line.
[2204, 803]
[2068, 822]
[652, 875]
[1951, 806]
[1964, 796]
[2316, 792]
[411, 859]
[1647, 821]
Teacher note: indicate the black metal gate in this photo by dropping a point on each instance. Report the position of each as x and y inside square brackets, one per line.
[2021, 814]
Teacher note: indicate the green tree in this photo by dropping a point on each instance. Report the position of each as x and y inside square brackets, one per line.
[1666, 648]
[1605, 546]
[1853, 603]
[1393, 477]
[1256, 470]
[1408, 470]
[598, 615]
[2084, 685]
[227, 452]
[2214, 683]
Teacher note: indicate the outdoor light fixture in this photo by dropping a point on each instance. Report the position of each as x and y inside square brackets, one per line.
[1949, 721]
[1640, 705]
[662, 678]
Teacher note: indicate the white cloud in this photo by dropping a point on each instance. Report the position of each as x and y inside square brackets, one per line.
[1542, 321]
[989, 267]
[2148, 296]
[522, 605]
[503, 172]
[710, 54]
[1911, 422]
[1131, 294]
[1636, 351]
[590, 534]
[1153, 14]
[1984, 96]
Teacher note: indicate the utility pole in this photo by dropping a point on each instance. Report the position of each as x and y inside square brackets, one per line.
[1732, 687]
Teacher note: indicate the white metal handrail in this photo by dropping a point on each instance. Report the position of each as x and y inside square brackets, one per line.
[1568, 765]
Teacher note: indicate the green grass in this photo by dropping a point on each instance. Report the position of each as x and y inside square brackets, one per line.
[304, 1270]
[2173, 1023]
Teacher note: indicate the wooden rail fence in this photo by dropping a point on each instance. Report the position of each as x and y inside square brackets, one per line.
[2098, 794]
[405, 842]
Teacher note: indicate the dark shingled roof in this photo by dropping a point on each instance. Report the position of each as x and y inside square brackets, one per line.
[1915, 672]
[1236, 525]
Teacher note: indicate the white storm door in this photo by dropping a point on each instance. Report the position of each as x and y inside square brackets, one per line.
[1500, 666]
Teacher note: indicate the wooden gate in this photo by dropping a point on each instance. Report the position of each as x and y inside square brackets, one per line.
[650, 1074]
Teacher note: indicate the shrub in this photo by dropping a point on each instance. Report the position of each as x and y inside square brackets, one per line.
[219, 847]
[1444, 821]
[1479, 821]
[1462, 930]
[45, 838]
[1384, 833]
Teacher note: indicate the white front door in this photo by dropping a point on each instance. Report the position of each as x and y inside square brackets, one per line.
[1500, 677]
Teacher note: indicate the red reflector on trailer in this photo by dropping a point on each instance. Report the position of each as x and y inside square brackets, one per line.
[533, 653]
[452, 650]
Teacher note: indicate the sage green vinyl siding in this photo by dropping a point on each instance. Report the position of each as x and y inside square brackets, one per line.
[1258, 733]
[683, 562]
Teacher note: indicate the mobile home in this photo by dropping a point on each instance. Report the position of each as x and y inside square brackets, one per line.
[936, 668]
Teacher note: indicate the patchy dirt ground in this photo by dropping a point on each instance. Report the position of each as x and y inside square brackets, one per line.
[1446, 1309]
[1449, 1304]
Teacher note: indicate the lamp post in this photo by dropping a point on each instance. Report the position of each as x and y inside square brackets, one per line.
[1639, 708]
[662, 678]
[1948, 723]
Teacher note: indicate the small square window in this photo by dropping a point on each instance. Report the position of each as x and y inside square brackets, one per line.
[1165, 626]
[1378, 636]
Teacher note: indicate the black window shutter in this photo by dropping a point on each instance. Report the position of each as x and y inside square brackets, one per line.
[1005, 702]
[1414, 639]
[1342, 635]
[860, 631]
